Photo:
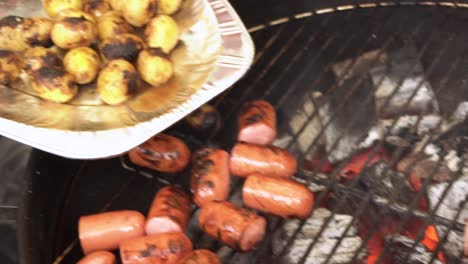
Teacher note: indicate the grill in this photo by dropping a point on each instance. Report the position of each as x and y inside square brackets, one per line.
[324, 66]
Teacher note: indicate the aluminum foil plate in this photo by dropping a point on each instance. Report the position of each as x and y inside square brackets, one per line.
[215, 51]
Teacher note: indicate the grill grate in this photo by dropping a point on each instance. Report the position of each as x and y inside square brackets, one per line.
[295, 56]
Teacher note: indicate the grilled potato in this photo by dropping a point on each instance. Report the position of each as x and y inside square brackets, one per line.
[97, 8]
[117, 5]
[83, 63]
[139, 12]
[154, 67]
[168, 7]
[117, 81]
[53, 7]
[36, 31]
[112, 24]
[11, 37]
[39, 57]
[74, 28]
[124, 46]
[162, 32]
[54, 84]
[10, 67]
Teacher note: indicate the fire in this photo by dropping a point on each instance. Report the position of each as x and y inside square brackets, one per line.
[431, 240]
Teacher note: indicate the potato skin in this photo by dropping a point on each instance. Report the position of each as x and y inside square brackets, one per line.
[117, 81]
[162, 32]
[154, 67]
[36, 31]
[97, 8]
[53, 7]
[168, 7]
[10, 67]
[117, 5]
[54, 84]
[112, 24]
[11, 37]
[39, 57]
[74, 28]
[125, 46]
[83, 63]
[139, 12]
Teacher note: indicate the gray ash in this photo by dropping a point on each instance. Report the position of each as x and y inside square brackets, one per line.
[404, 250]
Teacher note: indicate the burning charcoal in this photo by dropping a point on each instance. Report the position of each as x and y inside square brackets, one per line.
[333, 232]
[461, 113]
[402, 251]
[360, 65]
[453, 246]
[405, 68]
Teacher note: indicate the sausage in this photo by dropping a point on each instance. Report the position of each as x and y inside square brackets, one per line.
[236, 227]
[162, 153]
[169, 211]
[267, 160]
[200, 256]
[161, 248]
[257, 123]
[98, 257]
[105, 231]
[210, 176]
[282, 197]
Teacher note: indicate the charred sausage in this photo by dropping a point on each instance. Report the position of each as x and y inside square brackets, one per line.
[267, 160]
[282, 197]
[98, 257]
[236, 227]
[201, 256]
[210, 176]
[257, 123]
[169, 211]
[162, 153]
[165, 248]
[105, 231]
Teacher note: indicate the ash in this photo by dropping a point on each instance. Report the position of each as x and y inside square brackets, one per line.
[327, 240]
[406, 251]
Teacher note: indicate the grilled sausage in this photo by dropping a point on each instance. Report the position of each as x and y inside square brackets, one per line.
[162, 153]
[201, 256]
[105, 231]
[169, 211]
[210, 176]
[267, 160]
[257, 123]
[98, 257]
[281, 197]
[234, 226]
[165, 248]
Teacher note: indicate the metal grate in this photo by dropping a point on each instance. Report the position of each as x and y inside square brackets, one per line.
[296, 56]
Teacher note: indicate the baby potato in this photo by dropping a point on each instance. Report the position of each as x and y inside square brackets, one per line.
[53, 7]
[54, 84]
[162, 32]
[96, 8]
[112, 24]
[10, 67]
[154, 67]
[36, 31]
[11, 37]
[124, 46]
[117, 5]
[39, 57]
[168, 7]
[83, 63]
[139, 12]
[117, 81]
[74, 28]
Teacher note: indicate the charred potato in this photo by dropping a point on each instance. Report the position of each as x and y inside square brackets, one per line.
[39, 57]
[162, 32]
[154, 67]
[83, 63]
[73, 28]
[117, 81]
[54, 84]
[139, 12]
[168, 7]
[36, 31]
[125, 46]
[112, 24]
[10, 67]
[53, 7]
[11, 37]
[97, 8]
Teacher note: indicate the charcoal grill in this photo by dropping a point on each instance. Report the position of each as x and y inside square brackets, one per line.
[297, 49]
